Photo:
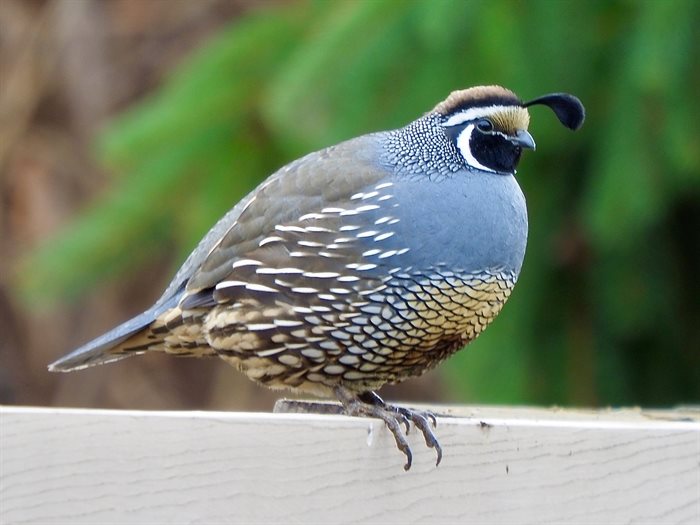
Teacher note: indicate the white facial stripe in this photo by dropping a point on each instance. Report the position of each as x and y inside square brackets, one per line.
[465, 150]
[474, 113]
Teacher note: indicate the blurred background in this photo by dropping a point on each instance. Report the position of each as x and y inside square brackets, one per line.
[127, 127]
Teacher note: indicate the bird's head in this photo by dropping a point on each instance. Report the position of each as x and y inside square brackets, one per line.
[488, 124]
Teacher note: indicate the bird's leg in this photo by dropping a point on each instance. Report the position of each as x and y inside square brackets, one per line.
[369, 404]
[355, 406]
[421, 419]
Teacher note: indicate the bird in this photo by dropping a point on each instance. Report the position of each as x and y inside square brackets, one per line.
[362, 264]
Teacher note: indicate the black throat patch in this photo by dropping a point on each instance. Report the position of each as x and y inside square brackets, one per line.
[494, 151]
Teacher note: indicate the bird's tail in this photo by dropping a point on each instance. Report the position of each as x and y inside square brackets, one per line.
[130, 338]
[159, 328]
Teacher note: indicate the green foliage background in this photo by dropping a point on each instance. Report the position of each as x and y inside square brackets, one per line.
[607, 309]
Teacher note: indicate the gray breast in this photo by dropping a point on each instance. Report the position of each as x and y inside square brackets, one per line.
[465, 220]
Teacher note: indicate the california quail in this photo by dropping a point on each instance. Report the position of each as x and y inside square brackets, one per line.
[364, 263]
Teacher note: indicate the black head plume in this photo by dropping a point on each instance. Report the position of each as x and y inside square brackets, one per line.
[567, 108]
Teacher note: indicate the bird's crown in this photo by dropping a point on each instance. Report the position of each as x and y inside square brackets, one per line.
[499, 104]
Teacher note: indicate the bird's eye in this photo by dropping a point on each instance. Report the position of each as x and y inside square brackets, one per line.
[484, 125]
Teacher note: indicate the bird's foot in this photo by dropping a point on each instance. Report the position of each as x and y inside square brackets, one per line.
[369, 404]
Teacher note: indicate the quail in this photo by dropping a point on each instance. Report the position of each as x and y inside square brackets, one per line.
[364, 263]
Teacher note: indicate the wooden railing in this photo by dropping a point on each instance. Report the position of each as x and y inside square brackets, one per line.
[500, 465]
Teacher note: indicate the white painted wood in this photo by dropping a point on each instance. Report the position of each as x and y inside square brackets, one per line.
[501, 465]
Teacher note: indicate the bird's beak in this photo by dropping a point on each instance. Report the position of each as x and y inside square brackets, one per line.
[523, 139]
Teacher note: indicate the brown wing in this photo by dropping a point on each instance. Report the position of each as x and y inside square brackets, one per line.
[284, 218]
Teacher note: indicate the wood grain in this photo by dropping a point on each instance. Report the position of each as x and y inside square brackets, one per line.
[501, 465]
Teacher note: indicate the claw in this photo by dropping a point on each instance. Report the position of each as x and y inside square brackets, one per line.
[421, 420]
[402, 416]
[432, 418]
[401, 443]
[405, 422]
[369, 404]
